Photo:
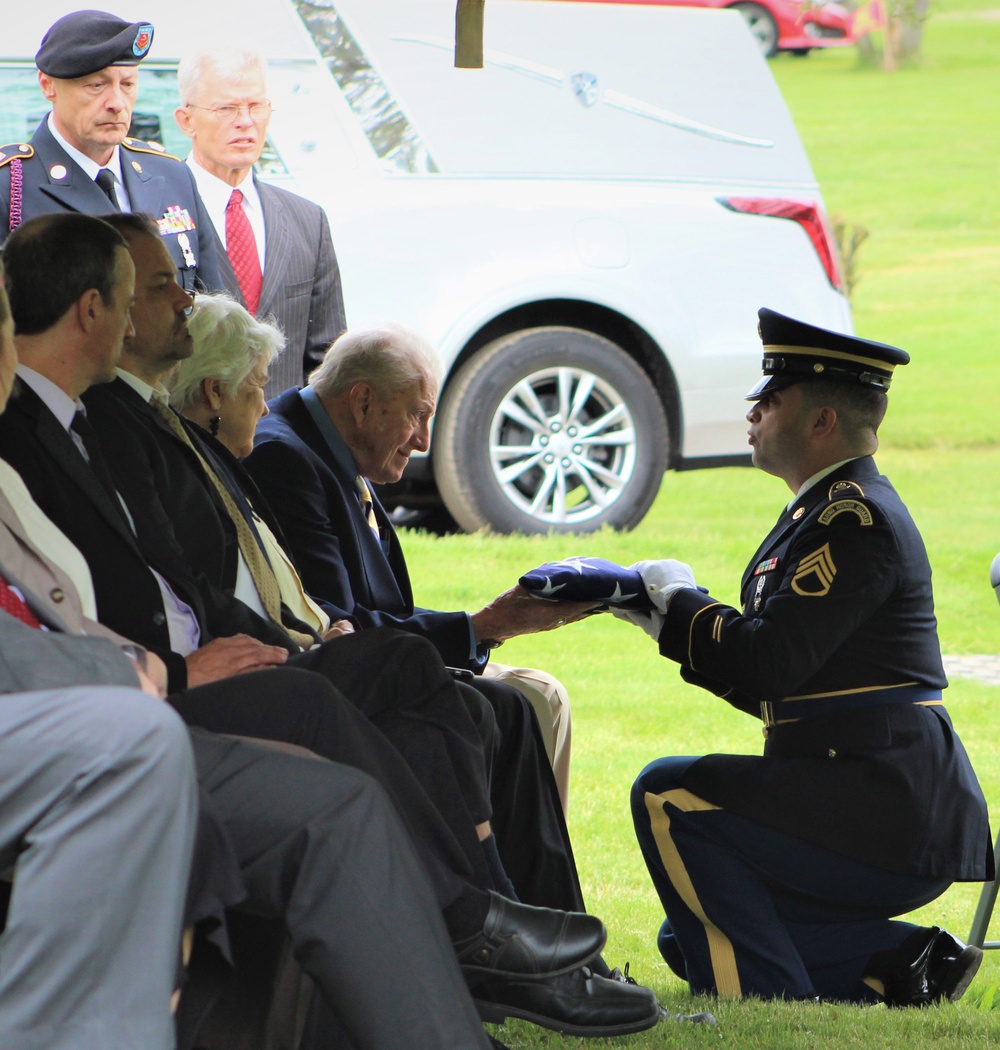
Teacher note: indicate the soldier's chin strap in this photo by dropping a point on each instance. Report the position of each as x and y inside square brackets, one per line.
[469, 34]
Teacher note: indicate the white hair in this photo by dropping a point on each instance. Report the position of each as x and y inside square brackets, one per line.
[229, 343]
[230, 63]
[390, 356]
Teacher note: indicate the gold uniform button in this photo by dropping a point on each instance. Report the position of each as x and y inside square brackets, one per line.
[57, 594]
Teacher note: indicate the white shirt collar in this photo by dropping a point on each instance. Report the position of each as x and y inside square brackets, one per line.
[56, 400]
[816, 478]
[215, 194]
[90, 167]
[141, 387]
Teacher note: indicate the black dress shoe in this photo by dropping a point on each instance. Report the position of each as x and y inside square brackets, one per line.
[577, 1003]
[930, 965]
[518, 940]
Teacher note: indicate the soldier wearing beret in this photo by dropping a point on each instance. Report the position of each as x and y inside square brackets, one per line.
[781, 874]
[81, 159]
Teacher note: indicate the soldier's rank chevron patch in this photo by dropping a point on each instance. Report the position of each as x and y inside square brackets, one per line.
[815, 573]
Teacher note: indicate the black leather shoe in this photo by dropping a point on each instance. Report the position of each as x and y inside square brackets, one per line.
[518, 940]
[577, 1003]
[933, 965]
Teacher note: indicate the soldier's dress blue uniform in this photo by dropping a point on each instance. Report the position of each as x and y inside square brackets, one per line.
[156, 182]
[780, 873]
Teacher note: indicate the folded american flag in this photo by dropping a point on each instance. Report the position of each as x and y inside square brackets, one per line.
[587, 580]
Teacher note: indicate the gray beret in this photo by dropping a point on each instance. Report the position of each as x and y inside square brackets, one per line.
[85, 41]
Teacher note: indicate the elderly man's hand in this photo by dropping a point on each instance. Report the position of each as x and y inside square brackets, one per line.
[338, 629]
[223, 657]
[516, 612]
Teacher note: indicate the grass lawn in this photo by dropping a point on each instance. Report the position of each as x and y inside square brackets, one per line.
[911, 156]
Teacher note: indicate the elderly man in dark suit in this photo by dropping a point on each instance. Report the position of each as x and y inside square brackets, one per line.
[276, 253]
[864, 805]
[81, 159]
[316, 453]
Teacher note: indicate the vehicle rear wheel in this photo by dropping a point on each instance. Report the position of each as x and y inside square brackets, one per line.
[763, 27]
[550, 429]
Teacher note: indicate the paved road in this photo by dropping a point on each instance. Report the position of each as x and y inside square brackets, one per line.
[983, 668]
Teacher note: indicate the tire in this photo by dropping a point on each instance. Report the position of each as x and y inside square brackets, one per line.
[763, 27]
[504, 452]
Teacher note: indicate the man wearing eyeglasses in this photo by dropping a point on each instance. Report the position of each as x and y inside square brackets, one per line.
[81, 157]
[277, 255]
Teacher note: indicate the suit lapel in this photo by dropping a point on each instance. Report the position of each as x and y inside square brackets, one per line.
[277, 247]
[41, 608]
[63, 451]
[66, 182]
[146, 192]
[800, 509]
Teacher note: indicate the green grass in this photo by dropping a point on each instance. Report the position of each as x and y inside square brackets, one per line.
[912, 157]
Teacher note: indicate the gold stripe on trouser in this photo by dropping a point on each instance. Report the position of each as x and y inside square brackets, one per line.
[720, 948]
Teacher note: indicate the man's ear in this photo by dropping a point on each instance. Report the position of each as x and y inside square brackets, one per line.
[46, 85]
[184, 121]
[89, 307]
[824, 421]
[211, 390]
[360, 398]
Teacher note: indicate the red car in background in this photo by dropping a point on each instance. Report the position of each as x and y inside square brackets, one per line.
[783, 25]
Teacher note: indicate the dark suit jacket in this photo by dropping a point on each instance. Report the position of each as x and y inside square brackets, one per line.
[342, 564]
[176, 509]
[156, 182]
[301, 291]
[128, 596]
[837, 628]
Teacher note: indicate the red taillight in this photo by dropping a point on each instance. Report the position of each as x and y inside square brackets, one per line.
[807, 215]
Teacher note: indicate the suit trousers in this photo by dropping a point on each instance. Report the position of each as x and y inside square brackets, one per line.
[754, 911]
[550, 702]
[321, 847]
[98, 806]
[300, 707]
[532, 837]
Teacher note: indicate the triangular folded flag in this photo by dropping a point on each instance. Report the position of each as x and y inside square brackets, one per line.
[587, 580]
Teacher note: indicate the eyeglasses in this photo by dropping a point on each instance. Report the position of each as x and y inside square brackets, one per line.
[258, 112]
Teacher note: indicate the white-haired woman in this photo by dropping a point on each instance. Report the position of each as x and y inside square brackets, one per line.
[220, 387]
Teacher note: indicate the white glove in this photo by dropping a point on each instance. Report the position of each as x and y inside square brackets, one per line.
[663, 579]
[651, 622]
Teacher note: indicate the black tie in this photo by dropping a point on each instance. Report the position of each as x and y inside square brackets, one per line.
[95, 458]
[106, 180]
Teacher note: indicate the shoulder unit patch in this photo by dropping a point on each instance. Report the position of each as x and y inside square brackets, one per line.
[849, 506]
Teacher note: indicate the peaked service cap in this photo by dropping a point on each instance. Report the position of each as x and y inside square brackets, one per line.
[795, 352]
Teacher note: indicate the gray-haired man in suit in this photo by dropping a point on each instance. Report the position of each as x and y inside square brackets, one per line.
[277, 255]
